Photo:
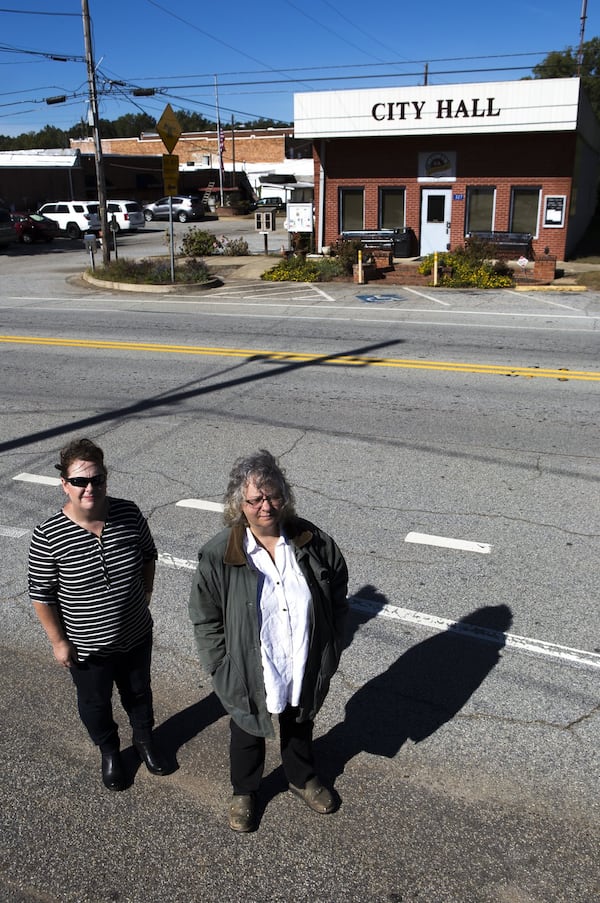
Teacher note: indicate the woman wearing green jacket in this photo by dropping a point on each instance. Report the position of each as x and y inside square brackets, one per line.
[267, 604]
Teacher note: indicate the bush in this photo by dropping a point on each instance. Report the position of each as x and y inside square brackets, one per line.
[200, 243]
[151, 271]
[298, 269]
[347, 253]
[468, 267]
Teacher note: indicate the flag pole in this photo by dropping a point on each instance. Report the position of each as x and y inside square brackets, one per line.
[220, 142]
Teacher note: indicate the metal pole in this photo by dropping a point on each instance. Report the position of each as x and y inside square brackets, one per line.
[581, 36]
[219, 142]
[171, 239]
[100, 181]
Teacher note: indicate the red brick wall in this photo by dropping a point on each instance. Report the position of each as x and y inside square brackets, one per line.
[544, 160]
[260, 146]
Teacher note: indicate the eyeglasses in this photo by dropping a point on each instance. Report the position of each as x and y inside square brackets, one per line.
[82, 482]
[259, 500]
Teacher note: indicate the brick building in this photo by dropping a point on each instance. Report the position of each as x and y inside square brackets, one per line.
[446, 160]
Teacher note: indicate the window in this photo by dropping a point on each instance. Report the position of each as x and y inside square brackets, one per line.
[436, 207]
[480, 210]
[391, 208]
[525, 204]
[351, 209]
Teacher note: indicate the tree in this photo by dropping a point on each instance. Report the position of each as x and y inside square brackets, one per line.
[564, 64]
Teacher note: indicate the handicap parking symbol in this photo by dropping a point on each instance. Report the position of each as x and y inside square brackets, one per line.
[379, 299]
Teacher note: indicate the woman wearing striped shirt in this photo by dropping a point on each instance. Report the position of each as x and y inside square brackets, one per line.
[91, 573]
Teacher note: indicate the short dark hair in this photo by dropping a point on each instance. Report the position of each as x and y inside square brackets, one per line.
[80, 450]
[263, 469]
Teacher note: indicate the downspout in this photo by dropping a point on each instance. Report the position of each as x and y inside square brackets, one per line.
[321, 236]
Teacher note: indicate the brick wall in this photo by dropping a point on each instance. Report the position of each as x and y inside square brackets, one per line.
[260, 146]
[544, 161]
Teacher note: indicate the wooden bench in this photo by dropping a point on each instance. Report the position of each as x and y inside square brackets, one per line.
[507, 245]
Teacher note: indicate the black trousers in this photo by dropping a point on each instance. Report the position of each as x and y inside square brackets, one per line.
[247, 753]
[94, 679]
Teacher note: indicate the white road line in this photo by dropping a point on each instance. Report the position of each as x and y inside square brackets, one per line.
[37, 478]
[199, 503]
[447, 542]
[418, 618]
[169, 561]
[14, 532]
[543, 300]
[432, 622]
[413, 291]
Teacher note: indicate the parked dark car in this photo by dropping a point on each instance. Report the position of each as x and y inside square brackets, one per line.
[276, 203]
[185, 207]
[32, 227]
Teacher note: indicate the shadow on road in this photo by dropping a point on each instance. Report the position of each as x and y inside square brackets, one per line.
[422, 690]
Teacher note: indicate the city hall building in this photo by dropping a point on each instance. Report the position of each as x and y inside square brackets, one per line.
[447, 160]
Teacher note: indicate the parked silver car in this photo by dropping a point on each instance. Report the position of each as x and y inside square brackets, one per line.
[185, 207]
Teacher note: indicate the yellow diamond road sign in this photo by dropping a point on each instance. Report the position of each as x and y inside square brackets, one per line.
[168, 128]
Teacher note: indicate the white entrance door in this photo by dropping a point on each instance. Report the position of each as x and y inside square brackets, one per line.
[435, 219]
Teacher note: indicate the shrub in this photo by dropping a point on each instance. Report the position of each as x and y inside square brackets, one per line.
[151, 271]
[347, 253]
[298, 269]
[468, 267]
[200, 243]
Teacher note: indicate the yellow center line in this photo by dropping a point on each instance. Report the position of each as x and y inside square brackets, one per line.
[563, 373]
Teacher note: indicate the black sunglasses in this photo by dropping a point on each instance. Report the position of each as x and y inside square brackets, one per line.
[82, 482]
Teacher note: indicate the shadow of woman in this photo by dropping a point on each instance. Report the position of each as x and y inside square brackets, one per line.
[178, 730]
[418, 693]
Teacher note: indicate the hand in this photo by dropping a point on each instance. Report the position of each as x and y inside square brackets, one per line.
[65, 653]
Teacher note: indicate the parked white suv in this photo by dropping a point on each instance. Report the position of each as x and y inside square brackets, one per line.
[128, 214]
[73, 217]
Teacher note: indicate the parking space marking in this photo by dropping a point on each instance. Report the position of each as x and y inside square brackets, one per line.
[199, 503]
[446, 542]
[391, 612]
[37, 478]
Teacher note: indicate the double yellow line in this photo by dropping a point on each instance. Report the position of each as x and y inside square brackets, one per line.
[560, 373]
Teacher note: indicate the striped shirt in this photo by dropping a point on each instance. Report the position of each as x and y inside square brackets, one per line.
[95, 581]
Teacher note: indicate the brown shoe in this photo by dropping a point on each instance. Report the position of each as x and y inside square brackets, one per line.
[316, 797]
[242, 813]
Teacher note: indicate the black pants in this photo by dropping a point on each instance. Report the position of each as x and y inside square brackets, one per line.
[247, 753]
[94, 679]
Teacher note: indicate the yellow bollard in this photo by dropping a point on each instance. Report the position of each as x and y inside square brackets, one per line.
[435, 268]
[361, 275]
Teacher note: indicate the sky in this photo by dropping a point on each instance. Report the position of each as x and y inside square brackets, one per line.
[250, 58]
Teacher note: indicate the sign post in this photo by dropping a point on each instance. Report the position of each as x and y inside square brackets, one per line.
[170, 131]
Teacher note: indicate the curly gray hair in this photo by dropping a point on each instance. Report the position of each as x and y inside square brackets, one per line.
[263, 469]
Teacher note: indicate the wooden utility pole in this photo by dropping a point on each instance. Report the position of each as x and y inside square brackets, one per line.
[100, 180]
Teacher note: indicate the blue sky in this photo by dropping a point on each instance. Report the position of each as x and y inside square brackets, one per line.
[259, 54]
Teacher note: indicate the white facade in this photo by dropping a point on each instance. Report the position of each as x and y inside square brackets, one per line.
[542, 105]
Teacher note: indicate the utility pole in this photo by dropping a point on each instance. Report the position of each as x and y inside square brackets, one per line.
[100, 181]
[581, 37]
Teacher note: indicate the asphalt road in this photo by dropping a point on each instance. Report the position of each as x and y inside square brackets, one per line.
[449, 442]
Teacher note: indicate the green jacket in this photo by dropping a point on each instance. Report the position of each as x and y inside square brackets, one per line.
[223, 608]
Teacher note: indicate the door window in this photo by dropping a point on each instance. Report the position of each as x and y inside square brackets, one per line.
[436, 205]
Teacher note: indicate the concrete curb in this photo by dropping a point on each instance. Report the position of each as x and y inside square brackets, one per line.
[550, 288]
[167, 289]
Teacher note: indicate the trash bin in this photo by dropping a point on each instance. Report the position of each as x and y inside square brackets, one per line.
[403, 242]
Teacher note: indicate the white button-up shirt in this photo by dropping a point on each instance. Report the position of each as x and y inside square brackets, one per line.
[284, 615]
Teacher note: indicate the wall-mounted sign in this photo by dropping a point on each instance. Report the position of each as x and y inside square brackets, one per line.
[438, 166]
[299, 218]
[554, 211]
[458, 197]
